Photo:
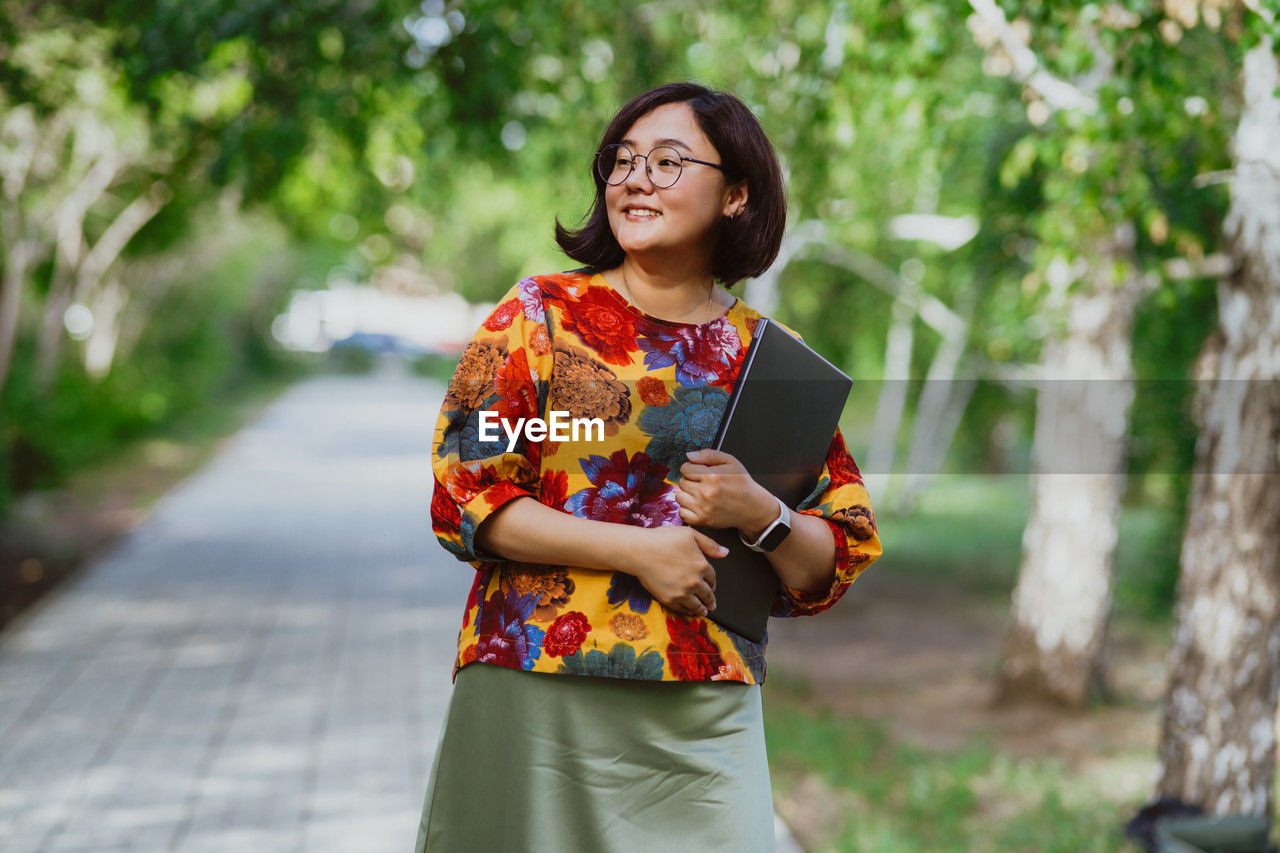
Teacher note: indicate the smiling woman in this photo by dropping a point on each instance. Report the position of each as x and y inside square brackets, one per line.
[588, 563]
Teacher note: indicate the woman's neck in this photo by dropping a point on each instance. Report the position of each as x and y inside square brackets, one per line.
[668, 294]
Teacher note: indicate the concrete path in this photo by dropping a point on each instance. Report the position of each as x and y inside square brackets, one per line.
[263, 666]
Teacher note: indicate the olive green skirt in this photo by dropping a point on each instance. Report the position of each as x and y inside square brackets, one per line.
[538, 762]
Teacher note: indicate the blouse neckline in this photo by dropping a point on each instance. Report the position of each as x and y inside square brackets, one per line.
[626, 304]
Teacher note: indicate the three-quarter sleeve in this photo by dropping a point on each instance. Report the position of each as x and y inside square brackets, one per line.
[841, 500]
[504, 373]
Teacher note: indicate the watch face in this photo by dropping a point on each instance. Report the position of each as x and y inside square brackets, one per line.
[775, 537]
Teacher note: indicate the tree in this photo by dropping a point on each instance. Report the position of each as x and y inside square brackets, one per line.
[1102, 148]
[1217, 740]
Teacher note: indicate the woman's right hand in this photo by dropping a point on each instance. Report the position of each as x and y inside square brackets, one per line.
[671, 563]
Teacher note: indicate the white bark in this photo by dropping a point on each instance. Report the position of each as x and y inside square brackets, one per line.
[1062, 599]
[70, 252]
[1218, 744]
[941, 405]
[100, 347]
[893, 395]
[18, 145]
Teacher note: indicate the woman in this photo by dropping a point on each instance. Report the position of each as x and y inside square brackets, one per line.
[651, 738]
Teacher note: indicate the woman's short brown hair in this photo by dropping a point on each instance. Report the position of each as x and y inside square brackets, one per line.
[746, 245]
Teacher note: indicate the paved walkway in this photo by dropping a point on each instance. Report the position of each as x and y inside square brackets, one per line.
[263, 666]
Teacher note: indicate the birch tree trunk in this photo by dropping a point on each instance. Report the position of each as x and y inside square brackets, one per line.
[18, 147]
[1062, 601]
[941, 405]
[71, 249]
[893, 394]
[1217, 740]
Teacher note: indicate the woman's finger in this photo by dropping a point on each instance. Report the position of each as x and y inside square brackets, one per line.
[688, 516]
[711, 456]
[706, 596]
[709, 546]
[694, 471]
[694, 607]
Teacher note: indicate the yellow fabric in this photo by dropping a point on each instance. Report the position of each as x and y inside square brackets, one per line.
[568, 342]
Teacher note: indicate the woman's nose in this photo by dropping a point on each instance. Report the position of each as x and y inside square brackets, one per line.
[639, 176]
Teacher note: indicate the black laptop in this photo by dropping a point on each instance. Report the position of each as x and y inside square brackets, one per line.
[779, 423]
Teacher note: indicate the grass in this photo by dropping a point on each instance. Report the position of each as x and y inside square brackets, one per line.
[847, 784]
[870, 794]
[969, 531]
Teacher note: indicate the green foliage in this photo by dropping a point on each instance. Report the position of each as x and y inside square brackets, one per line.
[432, 366]
[206, 338]
[967, 530]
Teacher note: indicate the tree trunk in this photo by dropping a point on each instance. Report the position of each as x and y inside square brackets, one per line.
[1217, 740]
[70, 251]
[1062, 601]
[942, 402]
[893, 394]
[100, 346]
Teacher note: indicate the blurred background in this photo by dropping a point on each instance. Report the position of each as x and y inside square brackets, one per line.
[1012, 223]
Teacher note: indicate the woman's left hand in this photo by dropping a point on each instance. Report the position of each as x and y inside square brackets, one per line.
[716, 491]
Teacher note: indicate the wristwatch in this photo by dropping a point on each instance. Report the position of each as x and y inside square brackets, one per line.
[773, 534]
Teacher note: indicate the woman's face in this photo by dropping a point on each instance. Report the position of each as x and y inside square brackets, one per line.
[676, 220]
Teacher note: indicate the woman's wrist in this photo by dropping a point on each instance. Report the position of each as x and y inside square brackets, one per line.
[765, 510]
[623, 543]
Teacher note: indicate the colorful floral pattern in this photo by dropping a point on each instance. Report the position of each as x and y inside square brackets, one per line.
[569, 342]
[627, 490]
[689, 420]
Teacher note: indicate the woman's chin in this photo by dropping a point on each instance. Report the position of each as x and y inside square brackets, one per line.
[637, 247]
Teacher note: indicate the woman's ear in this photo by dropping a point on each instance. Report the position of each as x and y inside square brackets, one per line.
[735, 199]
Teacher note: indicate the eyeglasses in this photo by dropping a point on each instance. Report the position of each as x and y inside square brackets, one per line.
[663, 165]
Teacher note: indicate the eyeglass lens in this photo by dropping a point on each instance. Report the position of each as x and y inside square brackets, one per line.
[615, 163]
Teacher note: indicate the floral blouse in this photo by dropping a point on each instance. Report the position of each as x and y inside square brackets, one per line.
[569, 342]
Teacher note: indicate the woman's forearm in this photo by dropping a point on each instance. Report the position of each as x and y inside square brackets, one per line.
[526, 531]
[806, 559]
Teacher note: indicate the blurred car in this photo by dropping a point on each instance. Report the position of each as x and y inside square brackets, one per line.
[380, 343]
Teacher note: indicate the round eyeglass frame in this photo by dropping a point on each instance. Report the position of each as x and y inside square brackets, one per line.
[609, 152]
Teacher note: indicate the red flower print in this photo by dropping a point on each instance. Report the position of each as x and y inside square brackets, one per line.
[515, 383]
[473, 597]
[562, 286]
[692, 655]
[469, 480]
[502, 316]
[653, 391]
[554, 489]
[840, 464]
[445, 515]
[566, 634]
[603, 326]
